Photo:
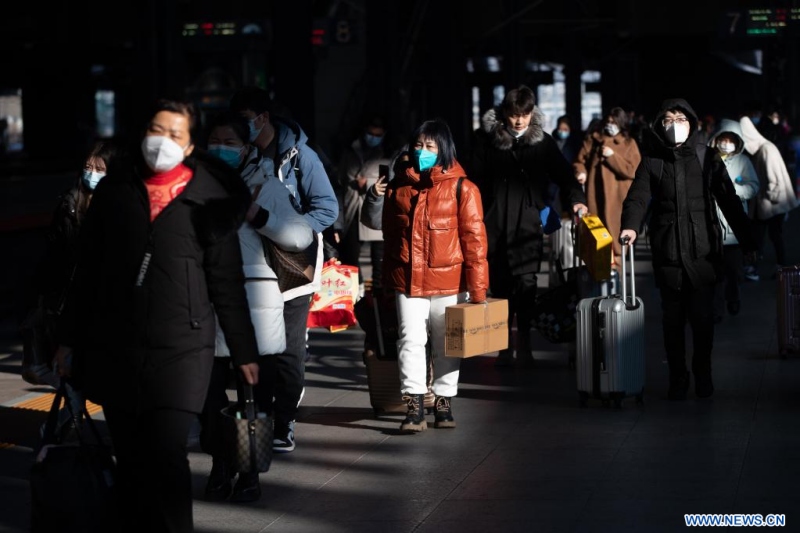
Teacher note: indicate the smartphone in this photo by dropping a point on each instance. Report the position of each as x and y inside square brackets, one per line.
[383, 171]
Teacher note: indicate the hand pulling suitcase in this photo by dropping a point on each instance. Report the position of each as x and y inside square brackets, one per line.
[788, 310]
[610, 362]
[379, 320]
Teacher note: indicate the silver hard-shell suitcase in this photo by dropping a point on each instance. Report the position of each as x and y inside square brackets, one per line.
[788, 310]
[610, 362]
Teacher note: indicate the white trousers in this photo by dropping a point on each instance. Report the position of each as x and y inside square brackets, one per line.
[419, 317]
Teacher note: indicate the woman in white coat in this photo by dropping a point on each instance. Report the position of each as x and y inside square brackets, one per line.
[777, 196]
[273, 215]
[730, 145]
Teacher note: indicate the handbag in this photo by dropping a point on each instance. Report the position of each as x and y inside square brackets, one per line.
[554, 311]
[293, 269]
[38, 344]
[247, 436]
[72, 485]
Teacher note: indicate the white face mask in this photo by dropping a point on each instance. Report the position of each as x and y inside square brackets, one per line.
[612, 129]
[726, 147]
[91, 179]
[677, 133]
[161, 153]
[515, 133]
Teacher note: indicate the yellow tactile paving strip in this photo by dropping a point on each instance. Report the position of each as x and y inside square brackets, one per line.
[43, 403]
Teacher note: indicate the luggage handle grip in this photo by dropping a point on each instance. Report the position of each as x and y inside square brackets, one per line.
[627, 246]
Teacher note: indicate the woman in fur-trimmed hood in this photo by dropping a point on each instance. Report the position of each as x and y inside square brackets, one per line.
[517, 166]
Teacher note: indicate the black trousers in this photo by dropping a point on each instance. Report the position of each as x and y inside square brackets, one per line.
[774, 228]
[520, 291]
[282, 376]
[694, 305]
[728, 287]
[153, 476]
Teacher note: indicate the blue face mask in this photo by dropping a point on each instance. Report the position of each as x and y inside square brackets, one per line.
[755, 120]
[254, 132]
[91, 179]
[373, 140]
[230, 154]
[562, 134]
[426, 159]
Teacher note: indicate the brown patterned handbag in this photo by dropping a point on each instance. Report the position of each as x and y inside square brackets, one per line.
[247, 436]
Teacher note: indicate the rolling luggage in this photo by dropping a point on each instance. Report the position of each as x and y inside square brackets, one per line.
[610, 362]
[788, 310]
[377, 316]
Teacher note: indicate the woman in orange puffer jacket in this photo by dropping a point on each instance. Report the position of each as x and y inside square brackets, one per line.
[434, 256]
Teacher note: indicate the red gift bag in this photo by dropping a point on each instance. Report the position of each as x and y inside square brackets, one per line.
[332, 305]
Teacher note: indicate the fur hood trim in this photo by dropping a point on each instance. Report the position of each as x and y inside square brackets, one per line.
[493, 124]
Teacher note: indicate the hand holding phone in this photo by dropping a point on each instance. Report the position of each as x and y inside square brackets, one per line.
[380, 185]
[383, 171]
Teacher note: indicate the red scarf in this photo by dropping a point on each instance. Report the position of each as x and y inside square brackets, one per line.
[164, 187]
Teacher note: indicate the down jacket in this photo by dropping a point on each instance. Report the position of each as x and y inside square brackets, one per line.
[285, 227]
[516, 177]
[433, 244]
[140, 314]
[684, 232]
[777, 195]
[741, 172]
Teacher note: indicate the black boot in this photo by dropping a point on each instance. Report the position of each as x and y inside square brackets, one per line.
[247, 488]
[220, 481]
[678, 386]
[443, 412]
[415, 417]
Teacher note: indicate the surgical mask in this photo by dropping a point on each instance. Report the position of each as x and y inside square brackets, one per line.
[562, 134]
[161, 154]
[232, 155]
[254, 132]
[91, 179]
[373, 140]
[426, 159]
[515, 133]
[755, 120]
[726, 147]
[677, 133]
[612, 129]
[775, 120]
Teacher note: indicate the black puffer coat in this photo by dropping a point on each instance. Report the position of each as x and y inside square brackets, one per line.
[684, 230]
[514, 177]
[146, 339]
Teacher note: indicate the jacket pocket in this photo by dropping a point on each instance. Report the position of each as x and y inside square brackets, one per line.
[665, 242]
[444, 246]
[192, 295]
[701, 244]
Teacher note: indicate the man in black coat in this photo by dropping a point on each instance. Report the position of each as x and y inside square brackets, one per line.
[683, 181]
[516, 163]
[158, 258]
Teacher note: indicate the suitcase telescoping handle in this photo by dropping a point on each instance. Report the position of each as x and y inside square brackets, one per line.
[628, 247]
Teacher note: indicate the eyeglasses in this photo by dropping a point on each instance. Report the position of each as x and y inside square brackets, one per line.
[667, 122]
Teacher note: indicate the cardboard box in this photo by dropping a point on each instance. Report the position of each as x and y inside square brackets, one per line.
[476, 329]
[595, 248]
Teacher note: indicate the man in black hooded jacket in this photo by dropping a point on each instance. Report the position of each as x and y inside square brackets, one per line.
[516, 164]
[682, 180]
